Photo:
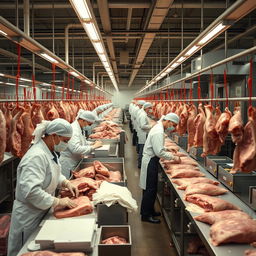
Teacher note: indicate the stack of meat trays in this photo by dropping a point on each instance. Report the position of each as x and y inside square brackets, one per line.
[5, 222]
[68, 234]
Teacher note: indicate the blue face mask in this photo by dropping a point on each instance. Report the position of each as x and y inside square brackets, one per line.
[170, 129]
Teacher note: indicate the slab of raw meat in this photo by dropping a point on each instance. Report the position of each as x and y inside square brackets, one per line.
[217, 113]
[84, 207]
[199, 127]
[36, 114]
[250, 253]
[182, 126]
[100, 168]
[115, 176]
[204, 188]
[210, 204]
[114, 240]
[233, 231]
[183, 183]
[185, 167]
[52, 113]
[185, 174]
[191, 129]
[235, 126]
[2, 135]
[211, 141]
[212, 217]
[101, 177]
[88, 172]
[222, 125]
[184, 161]
[49, 253]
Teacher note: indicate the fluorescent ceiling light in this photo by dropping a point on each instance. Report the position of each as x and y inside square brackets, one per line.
[192, 50]
[10, 83]
[3, 33]
[22, 85]
[73, 73]
[162, 75]
[158, 78]
[99, 48]
[211, 34]
[46, 84]
[103, 57]
[181, 59]
[46, 56]
[82, 9]
[168, 70]
[174, 65]
[108, 69]
[1, 74]
[91, 31]
[87, 81]
[26, 80]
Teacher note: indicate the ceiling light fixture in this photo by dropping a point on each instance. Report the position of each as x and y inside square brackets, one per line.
[91, 30]
[3, 33]
[48, 57]
[73, 73]
[82, 9]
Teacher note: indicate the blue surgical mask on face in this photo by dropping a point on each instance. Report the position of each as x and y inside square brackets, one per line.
[87, 128]
[62, 146]
[170, 129]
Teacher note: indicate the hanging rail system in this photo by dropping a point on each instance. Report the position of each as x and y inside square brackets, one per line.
[224, 61]
[206, 100]
[42, 100]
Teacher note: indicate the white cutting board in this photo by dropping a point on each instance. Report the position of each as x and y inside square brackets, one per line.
[103, 147]
[67, 234]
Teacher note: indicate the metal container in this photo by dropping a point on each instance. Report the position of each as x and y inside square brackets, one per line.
[196, 153]
[115, 249]
[252, 196]
[212, 163]
[182, 141]
[238, 182]
[113, 164]
[112, 215]
[102, 151]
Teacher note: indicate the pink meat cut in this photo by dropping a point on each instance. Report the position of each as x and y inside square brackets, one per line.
[84, 207]
[185, 173]
[37, 115]
[210, 204]
[114, 240]
[244, 156]
[212, 217]
[49, 253]
[191, 129]
[184, 161]
[199, 127]
[101, 177]
[217, 113]
[222, 125]
[185, 167]
[100, 168]
[204, 188]
[88, 172]
[233, 231]
[52, 113]
[182, 126]
[211, 141]
[115, 176]
[250, 253]
[183, 183]
[2, 135]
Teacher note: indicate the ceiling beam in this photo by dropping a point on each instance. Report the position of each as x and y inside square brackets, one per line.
[106, 24]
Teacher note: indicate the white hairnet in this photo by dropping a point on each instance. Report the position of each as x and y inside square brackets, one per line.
[58, 126]
[147, 105]
[172, 117]
[86, 115]
[141, 102]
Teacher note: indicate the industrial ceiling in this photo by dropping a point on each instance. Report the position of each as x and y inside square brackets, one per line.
[141, 36]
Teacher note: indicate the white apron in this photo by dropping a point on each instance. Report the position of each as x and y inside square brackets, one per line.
[26, 218]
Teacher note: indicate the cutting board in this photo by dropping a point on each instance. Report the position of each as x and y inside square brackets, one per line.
[67, 234]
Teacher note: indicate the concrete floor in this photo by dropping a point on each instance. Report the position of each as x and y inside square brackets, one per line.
[147, 238]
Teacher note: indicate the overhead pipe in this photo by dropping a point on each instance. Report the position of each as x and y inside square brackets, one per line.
[95, 64]
[98, 77]
[67, 39]
[26, 17]
[102, 76]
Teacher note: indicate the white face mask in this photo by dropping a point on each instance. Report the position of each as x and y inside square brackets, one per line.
[150, 111]
[62, 146]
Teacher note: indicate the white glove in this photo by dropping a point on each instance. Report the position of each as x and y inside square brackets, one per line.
[65, 202]
[74, 191]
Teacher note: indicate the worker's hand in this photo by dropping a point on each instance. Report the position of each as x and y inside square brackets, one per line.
[66, 202]
[176, 160]
[97, 144]
[172, 149]
[74, 191]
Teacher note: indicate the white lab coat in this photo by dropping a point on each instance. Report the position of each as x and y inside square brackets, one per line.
[135, 115]
[77, 148]
[143, 127]
[154, 146]
[38, 176]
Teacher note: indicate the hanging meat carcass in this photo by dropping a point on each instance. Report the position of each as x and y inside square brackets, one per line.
[217, 113]
[36, 114]
[235, 126]
[52, 113]
[191, 129]
[182, 126]
[211, 141]
[26, 137]
[2, 135]
[244, 156]
[199, 127]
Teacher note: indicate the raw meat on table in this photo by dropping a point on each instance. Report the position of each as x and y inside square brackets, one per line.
[49, 253]
[100, 168]
[114, 240]
[115, 176]
[233, 231]
[183, 183]
[250, 253]
[185, 174]
[204, 188]
[212, 217]
[84, 207]
[85, 172]
[185, 167]
[209, 203]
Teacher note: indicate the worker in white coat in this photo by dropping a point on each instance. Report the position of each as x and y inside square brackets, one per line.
[153, 150]
[143, 127]
[78, 146]
[38, 176]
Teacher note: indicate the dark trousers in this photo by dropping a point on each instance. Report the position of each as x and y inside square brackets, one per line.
[149, 194]
[141, 147]
[130, 125]
[134, 138]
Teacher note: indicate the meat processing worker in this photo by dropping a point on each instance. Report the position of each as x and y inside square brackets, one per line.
[153, 150]
[143, 128]
[78, 146]
[38, 176]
